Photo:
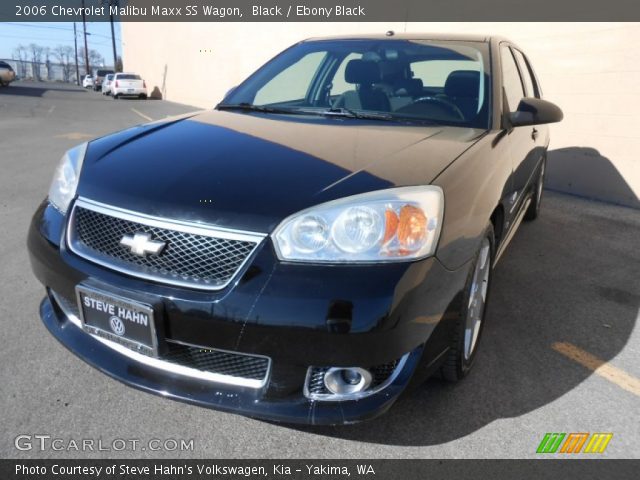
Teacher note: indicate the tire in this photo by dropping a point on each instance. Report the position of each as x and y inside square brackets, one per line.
[534, 207]
[115, 97]
[142, 97]
[468, 330]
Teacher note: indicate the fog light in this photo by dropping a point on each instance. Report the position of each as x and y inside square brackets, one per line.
[346, 381]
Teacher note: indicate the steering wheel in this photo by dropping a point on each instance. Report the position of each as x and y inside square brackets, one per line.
[443, 103]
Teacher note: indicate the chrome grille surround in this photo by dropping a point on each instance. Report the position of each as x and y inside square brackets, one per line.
[215, 365]
[196, 256]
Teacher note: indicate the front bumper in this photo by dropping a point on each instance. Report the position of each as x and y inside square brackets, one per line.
[282, 311]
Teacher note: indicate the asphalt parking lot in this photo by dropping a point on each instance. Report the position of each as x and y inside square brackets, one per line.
[565, 302]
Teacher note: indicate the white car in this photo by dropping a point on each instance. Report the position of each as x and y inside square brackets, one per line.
[128, 85]
[106, 84]
[87, 81]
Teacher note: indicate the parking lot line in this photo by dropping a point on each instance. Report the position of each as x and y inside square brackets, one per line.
[599, 367]
[142, 114]
[75, 136]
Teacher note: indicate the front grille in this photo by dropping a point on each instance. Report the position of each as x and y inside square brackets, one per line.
[193, 256]
[224, 363]
[252, 370]
[381, 374]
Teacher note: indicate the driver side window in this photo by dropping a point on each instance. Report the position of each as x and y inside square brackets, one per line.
[511, 79]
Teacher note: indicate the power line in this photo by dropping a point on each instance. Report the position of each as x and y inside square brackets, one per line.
[53, 39]
[54, 27]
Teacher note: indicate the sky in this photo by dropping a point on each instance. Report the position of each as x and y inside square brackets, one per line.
[52, 34]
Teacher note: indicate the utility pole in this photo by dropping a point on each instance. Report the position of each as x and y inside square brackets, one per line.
[86, 48]
[75, 43]
[113, 36]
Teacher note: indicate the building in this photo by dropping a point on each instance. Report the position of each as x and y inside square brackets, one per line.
[589, 69]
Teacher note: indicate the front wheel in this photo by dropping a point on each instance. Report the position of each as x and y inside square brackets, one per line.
[115, 97]
[464, 344]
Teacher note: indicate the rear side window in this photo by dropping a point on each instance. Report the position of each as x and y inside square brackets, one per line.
[511, 79]
[529, 83]
[5, 65]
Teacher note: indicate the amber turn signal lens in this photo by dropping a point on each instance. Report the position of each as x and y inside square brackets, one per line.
[412, 227]
[390, 225]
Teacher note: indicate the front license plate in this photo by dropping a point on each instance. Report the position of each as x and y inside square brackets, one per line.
[118, 319]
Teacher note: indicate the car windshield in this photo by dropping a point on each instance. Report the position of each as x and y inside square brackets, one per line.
[127, 76]
[444, 82]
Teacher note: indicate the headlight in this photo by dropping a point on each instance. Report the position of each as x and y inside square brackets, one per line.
[65, 178]
[382, 226]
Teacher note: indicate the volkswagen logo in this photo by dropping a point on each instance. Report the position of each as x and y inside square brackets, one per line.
[116, 325]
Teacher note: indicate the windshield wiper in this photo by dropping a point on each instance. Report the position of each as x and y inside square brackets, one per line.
[347, 112]
[330, 112]
[249, 107]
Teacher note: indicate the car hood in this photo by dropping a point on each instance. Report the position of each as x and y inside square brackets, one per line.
[251, 170]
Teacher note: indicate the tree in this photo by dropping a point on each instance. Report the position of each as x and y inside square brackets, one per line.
[47, 54]
[64, 55]
[20, 54]
[36, 58]
[95, 59]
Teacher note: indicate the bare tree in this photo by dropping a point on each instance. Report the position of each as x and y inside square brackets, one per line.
[20, 54]
[95, 59]
[64, 55]
[47, 54]
[36, 58]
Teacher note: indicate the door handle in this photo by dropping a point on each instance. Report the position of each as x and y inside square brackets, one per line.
[534, 134]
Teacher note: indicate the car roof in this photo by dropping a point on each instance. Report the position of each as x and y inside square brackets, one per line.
[414, 36]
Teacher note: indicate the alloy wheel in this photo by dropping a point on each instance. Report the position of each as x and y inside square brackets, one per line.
[477, 299]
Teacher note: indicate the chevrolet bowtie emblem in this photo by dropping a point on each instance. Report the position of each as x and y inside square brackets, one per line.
[142, 244]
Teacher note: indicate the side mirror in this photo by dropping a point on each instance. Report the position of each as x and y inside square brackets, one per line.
[535, 111]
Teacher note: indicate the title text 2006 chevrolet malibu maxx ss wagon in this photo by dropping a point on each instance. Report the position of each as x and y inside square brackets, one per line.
[320, 239]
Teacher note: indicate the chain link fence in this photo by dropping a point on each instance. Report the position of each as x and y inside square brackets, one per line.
[47, 71]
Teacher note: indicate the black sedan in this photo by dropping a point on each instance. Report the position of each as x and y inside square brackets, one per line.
[319, 241]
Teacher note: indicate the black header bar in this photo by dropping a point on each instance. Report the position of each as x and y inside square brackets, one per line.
[320, 10]
[175, 469]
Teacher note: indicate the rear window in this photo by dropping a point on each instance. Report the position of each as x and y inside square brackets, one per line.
[126, 76]
[102, 73]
